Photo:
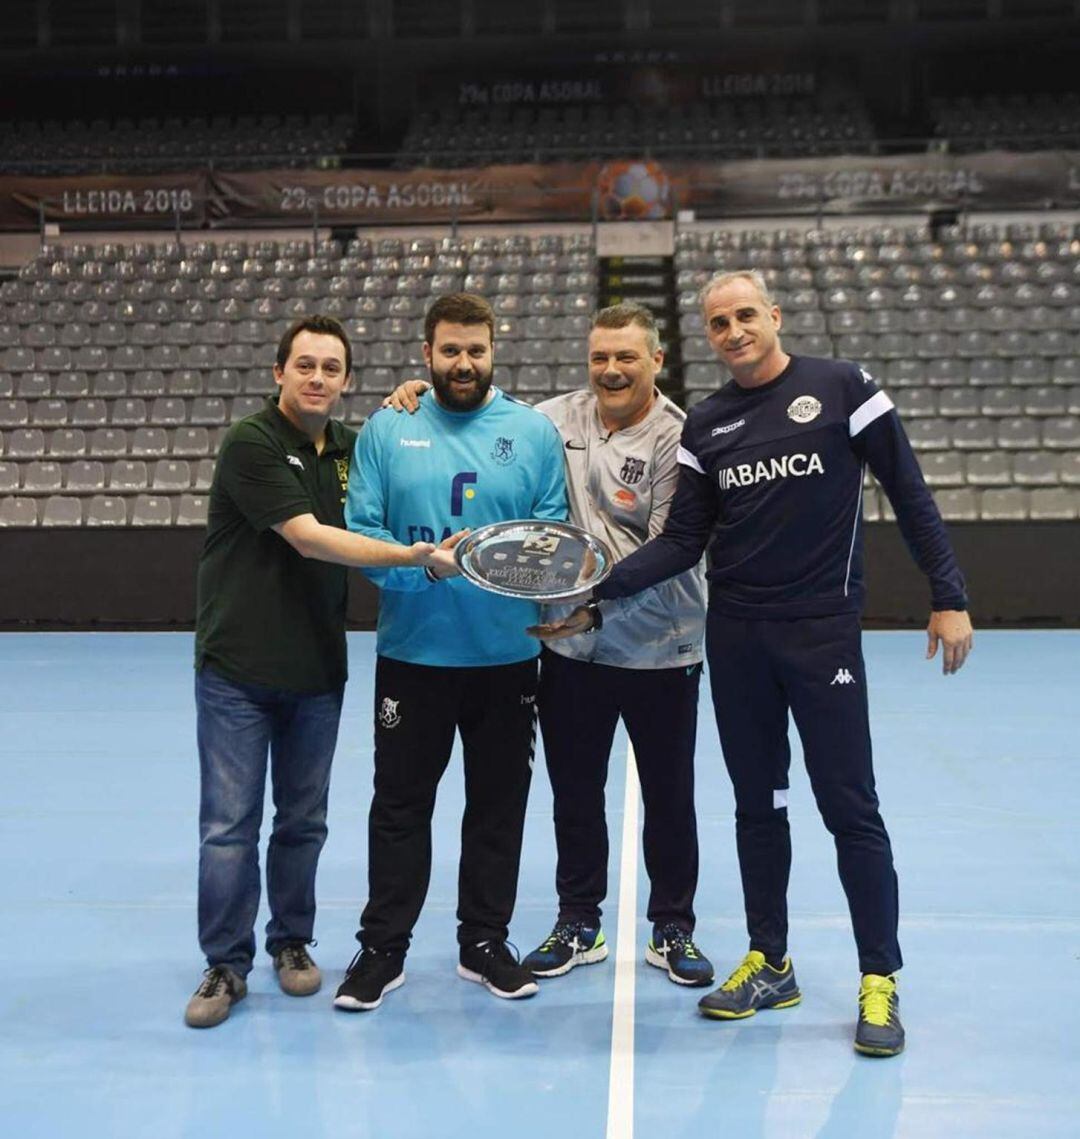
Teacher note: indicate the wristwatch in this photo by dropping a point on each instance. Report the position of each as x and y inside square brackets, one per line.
[593, 609]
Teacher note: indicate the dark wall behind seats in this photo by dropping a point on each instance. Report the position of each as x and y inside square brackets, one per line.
[1018, 574]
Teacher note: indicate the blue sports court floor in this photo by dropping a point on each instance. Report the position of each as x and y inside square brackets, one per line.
[980, 782]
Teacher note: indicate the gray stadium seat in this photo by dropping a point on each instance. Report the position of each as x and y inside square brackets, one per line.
[207, 411]
[168, 412]
[128, 412]
[14, 413]
[244, 405]
[171, 475]
[929, 434]
[1061, 433]
[957, 504]
[1018, 433]
[1053, 503]
[1036, 468]
[25, 443]
[204, 474]
[66, 443]
[109, 384]
[42, 477]
[34, 385]
[49, 412]
[191, 442]
[18, 512]
[62, 510]
[1001, 401]
[988, 372]
[106, 510]
[72, 385]
[152, 510]
[942, 468]
[192, 510]
[108, 442]
[1005, 505]
[84, 476]
[149, 442]
[88, 413]
[126, 475]
[958, 402]
[9, 478]
[989, 468]
[916, 402]
[973, 434]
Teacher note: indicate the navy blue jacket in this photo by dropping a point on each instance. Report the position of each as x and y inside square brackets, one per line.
[771, 478]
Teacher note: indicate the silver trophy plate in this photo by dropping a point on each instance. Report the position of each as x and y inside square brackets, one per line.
[543, 561]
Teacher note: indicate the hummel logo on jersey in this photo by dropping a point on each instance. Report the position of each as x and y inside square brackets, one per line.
[746, 474]
[843, 676]
[415, 442]
[728, 427]
[294, 461]
[389, 716]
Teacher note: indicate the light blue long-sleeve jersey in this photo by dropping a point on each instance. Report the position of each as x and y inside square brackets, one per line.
[422, 477]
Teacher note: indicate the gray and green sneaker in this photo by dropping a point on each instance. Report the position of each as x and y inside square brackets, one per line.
[754, 984]
[570, 943]
[879, 1031]
[672, 948]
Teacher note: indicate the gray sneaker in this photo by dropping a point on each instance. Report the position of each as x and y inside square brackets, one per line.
[221, 988]
[297, 974]
[754, 984]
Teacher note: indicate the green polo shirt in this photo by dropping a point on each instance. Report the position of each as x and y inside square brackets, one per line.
[264, 614]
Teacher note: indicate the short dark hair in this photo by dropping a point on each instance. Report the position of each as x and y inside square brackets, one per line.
[458, 308]
[625, 314]
[315, 322]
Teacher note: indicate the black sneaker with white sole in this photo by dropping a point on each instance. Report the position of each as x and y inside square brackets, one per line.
[493, 965]
[372, 974]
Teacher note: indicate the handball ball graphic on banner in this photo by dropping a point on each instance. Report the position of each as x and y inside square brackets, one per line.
[633, 191]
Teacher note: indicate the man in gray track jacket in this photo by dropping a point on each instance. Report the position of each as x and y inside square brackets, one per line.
[642, 662]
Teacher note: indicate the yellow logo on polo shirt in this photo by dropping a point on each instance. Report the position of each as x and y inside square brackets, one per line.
[342, 466]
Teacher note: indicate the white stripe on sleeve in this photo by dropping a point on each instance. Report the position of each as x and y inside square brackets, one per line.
[689, 459]
[866, 413]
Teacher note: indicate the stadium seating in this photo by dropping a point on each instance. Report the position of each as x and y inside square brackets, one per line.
[975, 335]
[161, 145]
[124, 430]
[453, 136]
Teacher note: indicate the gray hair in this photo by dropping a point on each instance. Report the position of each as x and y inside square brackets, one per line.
[625, 314]
[726, 276]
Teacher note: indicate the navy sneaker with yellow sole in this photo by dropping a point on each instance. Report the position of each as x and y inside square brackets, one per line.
[879, 1031]
[754, 985]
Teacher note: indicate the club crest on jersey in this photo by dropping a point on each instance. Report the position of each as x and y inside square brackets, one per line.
[632, 471]
[503, 451]
[805, 409]
[342, 468]
[389, 716]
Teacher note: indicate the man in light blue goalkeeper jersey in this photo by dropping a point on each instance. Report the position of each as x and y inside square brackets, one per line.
[450, 656]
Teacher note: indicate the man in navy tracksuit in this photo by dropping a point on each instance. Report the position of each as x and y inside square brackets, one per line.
[772, 471]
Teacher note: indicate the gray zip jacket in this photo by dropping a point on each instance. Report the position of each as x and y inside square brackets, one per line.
[620, 485]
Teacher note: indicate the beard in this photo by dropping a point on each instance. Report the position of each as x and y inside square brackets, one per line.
[456, 395]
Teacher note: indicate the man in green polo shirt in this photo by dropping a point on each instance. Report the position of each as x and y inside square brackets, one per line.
[270, 662]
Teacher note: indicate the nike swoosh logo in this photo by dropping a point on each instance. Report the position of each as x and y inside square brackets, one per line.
[573, 445]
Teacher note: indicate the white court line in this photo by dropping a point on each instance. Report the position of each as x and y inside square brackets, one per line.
[620, 1117]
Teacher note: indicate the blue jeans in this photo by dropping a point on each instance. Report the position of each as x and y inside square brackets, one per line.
[238, 725]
